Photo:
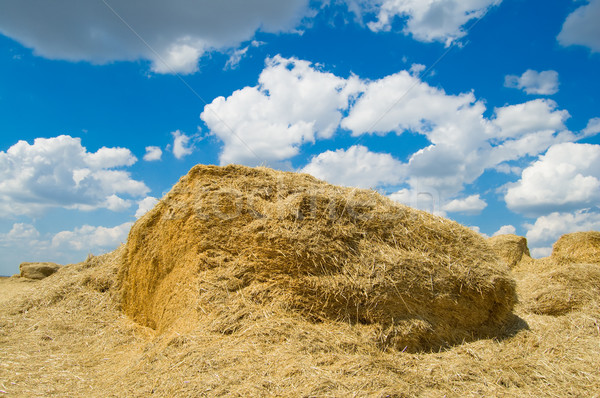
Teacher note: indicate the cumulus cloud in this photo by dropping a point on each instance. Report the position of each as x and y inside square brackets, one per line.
[145, 205]
[153, 153]
[581, 27]
[297, 103]
[566, 178]
[60, 172]
[172, 35]
[182, 145]
[533, 116]
[20, 232]
[25, 243]
[505, 229]
[356, 167]
[294, 103]
[427, 21]
[533, 82]
[470, 205]
[464, 143]
[548, 228]
[90, 238]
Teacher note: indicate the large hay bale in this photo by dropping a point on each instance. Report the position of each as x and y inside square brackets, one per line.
[232, 244]
[578, 247]
[37, 270]
[512, 249]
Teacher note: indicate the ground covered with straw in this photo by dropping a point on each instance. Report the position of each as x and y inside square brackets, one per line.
[75, 334]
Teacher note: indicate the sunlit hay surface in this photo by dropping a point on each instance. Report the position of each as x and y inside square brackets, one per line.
[65, 336]
[233, 247]
[567, 280]
[511, 249]
[560, 289]
[578, 247]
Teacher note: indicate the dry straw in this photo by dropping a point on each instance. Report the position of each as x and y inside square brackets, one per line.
[578, 247]
[511, 249]
[229, 243]
[567, 280]
[67, 336]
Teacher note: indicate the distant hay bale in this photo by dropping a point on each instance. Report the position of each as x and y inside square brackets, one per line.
[567, 280]
[512, 249]
[559, 289]
[578, 247]
[232, 244]
[37, 270]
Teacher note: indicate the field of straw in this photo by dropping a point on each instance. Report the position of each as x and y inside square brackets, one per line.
[252, 282]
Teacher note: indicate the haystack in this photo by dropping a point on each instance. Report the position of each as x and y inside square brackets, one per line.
[566, 281]
[512, 249]
[578, 247]
[231, 245]
[37, 270]
[559, 289]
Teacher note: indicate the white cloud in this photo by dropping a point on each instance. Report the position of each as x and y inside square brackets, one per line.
[592, 128]
[181, 145]
[180, 58]
[108, 158]
[357, 167]
[478, 230]
[505, 229]
[237, 55]
[566, 178]
[538, 115]
[581, 27]
[294, 103]
[60, 172]
[464, 143]
[145, 205]
[25, 243]
[470, 205]
[548, 228]
[89, 238]
[175, 33]
[153, 153]
[401, 102]
[20, 232]
[235, 58]
[539, 252]
[533, 82]
[115, 203]
[432, 20]
[420, 197]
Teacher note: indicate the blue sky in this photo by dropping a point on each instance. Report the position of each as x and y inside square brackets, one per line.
[483, 111]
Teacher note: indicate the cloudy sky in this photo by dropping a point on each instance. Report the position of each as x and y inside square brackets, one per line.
[483, 111]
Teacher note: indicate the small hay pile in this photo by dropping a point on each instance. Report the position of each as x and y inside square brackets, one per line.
[37, 270]
[578, 247]
[230, 247]
[567, 280]
[512, 249]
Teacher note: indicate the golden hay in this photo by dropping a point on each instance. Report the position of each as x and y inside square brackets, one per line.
[64, 336]
[232, 247]
[37, 270]
[566, 281]
[512, 249]
[578, 247]
[556, 289]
